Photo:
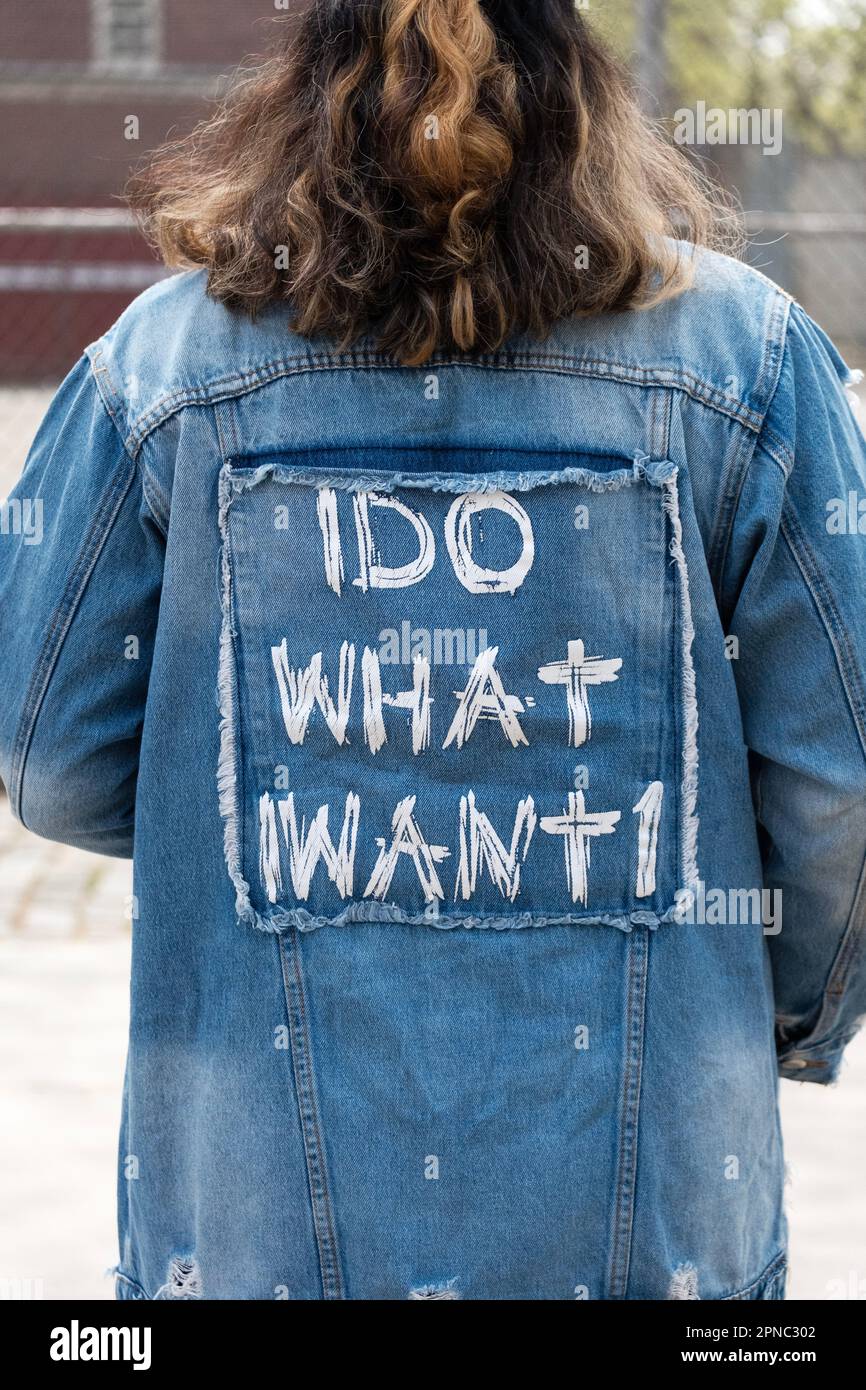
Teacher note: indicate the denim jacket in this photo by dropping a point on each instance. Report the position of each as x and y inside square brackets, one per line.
[490, 741]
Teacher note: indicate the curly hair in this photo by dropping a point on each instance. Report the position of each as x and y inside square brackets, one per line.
[434, 175]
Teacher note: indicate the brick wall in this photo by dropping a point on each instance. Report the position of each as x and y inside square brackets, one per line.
[71, 74]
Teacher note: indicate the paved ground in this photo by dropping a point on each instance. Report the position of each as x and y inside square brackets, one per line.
[64, 965]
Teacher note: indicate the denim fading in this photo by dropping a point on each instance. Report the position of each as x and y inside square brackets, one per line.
[419, 1009]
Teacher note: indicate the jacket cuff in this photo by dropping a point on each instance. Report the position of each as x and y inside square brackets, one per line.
[819, 1064]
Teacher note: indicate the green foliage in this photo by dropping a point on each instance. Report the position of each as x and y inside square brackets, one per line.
[807, 57]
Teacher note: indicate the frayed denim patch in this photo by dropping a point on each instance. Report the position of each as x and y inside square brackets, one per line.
[656, 472]
[357, 913]
[468, 505]
[689, 848]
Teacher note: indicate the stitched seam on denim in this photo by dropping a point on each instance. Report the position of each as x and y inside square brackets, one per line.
[759, 275]
[820, 1035]
[851, 942]
[659, 423]
[783, 461]
[780, 451]
[305, 1090]
[729, 500]
[113, 403]
[224, 419]
[160, 507]
[640, 377]
[238, 459]
[775, 347]
[638, 956]
[839, 973]
[652, 423]
[110, 399]
[771, 1275]
[831, 619]
[664, 444]
[112, 499]
[664, 376]
[781, 344]
[774, 352]
[749, 579]
[133, 1283]
[155, 503]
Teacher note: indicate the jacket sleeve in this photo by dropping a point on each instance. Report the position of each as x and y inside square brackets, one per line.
[797, 568]
[80, 571]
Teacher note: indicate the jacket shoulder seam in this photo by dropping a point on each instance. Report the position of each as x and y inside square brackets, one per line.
[662, 378]
[113, 404]
[773, 354]
[109, 395]
[770, 374]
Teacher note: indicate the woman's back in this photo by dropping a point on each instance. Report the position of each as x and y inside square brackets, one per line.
[491, 732]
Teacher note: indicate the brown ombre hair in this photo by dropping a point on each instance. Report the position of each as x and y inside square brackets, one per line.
[426, 172]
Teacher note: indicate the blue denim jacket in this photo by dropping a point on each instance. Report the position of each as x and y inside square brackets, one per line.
[489, 741]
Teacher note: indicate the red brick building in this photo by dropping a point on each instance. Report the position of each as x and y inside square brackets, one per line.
[87, 87]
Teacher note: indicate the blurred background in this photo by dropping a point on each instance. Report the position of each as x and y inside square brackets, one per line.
[87, 87]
